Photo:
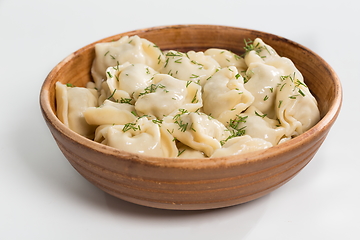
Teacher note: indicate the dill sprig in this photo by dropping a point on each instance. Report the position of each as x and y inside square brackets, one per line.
[297, 84]
[112, 94]
[125, 100]
[249, 46]
[131, 126]
[182, 126]
[152, 88]
[260, 115]
[235, 129]
[174, 54]
[181, 152]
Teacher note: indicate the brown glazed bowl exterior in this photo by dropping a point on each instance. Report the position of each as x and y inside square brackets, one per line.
[193, 184]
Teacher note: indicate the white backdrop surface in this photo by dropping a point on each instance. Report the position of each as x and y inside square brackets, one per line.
[43, 197]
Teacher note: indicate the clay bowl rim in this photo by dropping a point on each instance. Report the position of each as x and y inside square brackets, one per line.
[323, 125]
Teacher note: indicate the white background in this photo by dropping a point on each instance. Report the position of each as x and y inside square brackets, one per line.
[43, 197]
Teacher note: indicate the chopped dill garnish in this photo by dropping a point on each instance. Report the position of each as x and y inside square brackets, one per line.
[152, 88]
[125, 100]
[259, 115]
[235, 129]
[112, 94]
[280, 102]
[181, 152]
[131, 126]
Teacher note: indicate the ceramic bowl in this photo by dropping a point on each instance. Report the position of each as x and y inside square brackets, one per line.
[193, 184]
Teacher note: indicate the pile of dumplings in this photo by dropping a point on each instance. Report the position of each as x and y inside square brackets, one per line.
[188, 104]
